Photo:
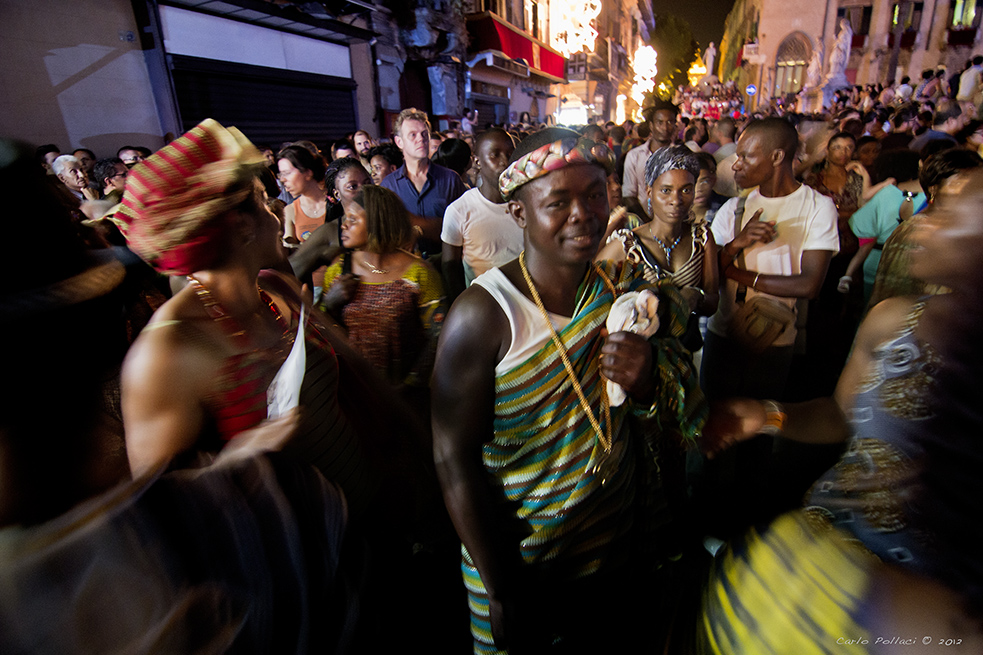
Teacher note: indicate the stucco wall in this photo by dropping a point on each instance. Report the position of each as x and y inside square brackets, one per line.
[71, 77]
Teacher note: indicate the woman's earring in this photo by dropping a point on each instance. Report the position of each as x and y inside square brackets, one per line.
[650, 206]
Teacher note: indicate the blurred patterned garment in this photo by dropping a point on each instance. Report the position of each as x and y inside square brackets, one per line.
[800, 584]
[238, 557]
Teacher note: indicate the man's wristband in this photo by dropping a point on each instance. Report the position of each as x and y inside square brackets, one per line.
[754, 284]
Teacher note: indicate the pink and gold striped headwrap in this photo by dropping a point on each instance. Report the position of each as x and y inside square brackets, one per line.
[172, 199]
[551, 157]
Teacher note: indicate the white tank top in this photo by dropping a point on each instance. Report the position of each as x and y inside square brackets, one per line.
[529, 331]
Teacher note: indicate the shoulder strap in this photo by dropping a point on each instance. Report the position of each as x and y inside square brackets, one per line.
[738, 226]
[346, 263]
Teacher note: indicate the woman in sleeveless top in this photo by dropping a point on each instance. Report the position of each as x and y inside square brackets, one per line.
[302, 174]
[672, 245]
[894, 527]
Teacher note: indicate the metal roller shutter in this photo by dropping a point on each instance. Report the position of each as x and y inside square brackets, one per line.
[268, 105]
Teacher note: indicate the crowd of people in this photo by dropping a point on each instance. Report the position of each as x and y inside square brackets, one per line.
[706, 383]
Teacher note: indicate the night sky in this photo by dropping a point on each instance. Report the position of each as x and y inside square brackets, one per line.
[706, 17]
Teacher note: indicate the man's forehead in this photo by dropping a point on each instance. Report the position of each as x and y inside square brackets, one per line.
[496, 139]
[412, 125]
[568, 179]
[752, 140]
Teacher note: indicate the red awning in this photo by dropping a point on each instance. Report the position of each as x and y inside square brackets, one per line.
[489, 32]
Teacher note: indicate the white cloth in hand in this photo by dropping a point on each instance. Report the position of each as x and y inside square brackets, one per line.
[636, 312]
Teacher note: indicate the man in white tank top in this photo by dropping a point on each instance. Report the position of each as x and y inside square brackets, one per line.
[541, 477]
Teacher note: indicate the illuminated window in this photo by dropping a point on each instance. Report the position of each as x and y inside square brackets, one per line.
[793, 58]
[909, 15]
[964, 13]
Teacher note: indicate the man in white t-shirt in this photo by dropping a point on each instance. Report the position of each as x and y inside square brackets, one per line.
[478, 231]
[787, 240]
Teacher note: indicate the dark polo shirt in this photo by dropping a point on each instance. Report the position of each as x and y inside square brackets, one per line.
[443, 186]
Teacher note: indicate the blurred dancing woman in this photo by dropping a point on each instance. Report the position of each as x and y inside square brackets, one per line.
[907, 490]
[243, 556]
[220, 356]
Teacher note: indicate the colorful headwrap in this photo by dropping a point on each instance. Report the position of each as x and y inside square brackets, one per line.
[172, 198]
[671, 158]
[551, 157]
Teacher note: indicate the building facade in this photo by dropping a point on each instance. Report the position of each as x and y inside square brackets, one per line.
[511, 71]
[770, 43]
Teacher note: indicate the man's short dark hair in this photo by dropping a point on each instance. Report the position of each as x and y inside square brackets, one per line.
[91, 154]
[707, 162]
[779, 134]
[660, 105]
[489, 133]
[389, 152]
[946, 111]
[44, 150]
[978, 60]
[900, 164]
[726, 127]
[105, 168]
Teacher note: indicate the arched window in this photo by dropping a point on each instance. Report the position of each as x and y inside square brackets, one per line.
[790, 65]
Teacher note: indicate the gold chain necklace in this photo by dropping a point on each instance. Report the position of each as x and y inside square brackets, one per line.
[377, 271]
[603, 436]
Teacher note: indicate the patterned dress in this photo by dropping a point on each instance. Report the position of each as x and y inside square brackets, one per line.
[324, 439]
[395, 324]
[690, 274]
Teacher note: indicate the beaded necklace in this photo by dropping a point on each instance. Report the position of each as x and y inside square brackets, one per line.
[666, 249]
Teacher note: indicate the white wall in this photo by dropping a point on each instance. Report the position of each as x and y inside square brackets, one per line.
[69, 79]
[211, 37]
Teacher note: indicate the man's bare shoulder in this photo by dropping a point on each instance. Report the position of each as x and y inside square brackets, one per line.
[477, 322]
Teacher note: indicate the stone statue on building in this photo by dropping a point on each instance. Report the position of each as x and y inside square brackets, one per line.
[840, 55]
[814, 73]
[710, 58]
[836, 76]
